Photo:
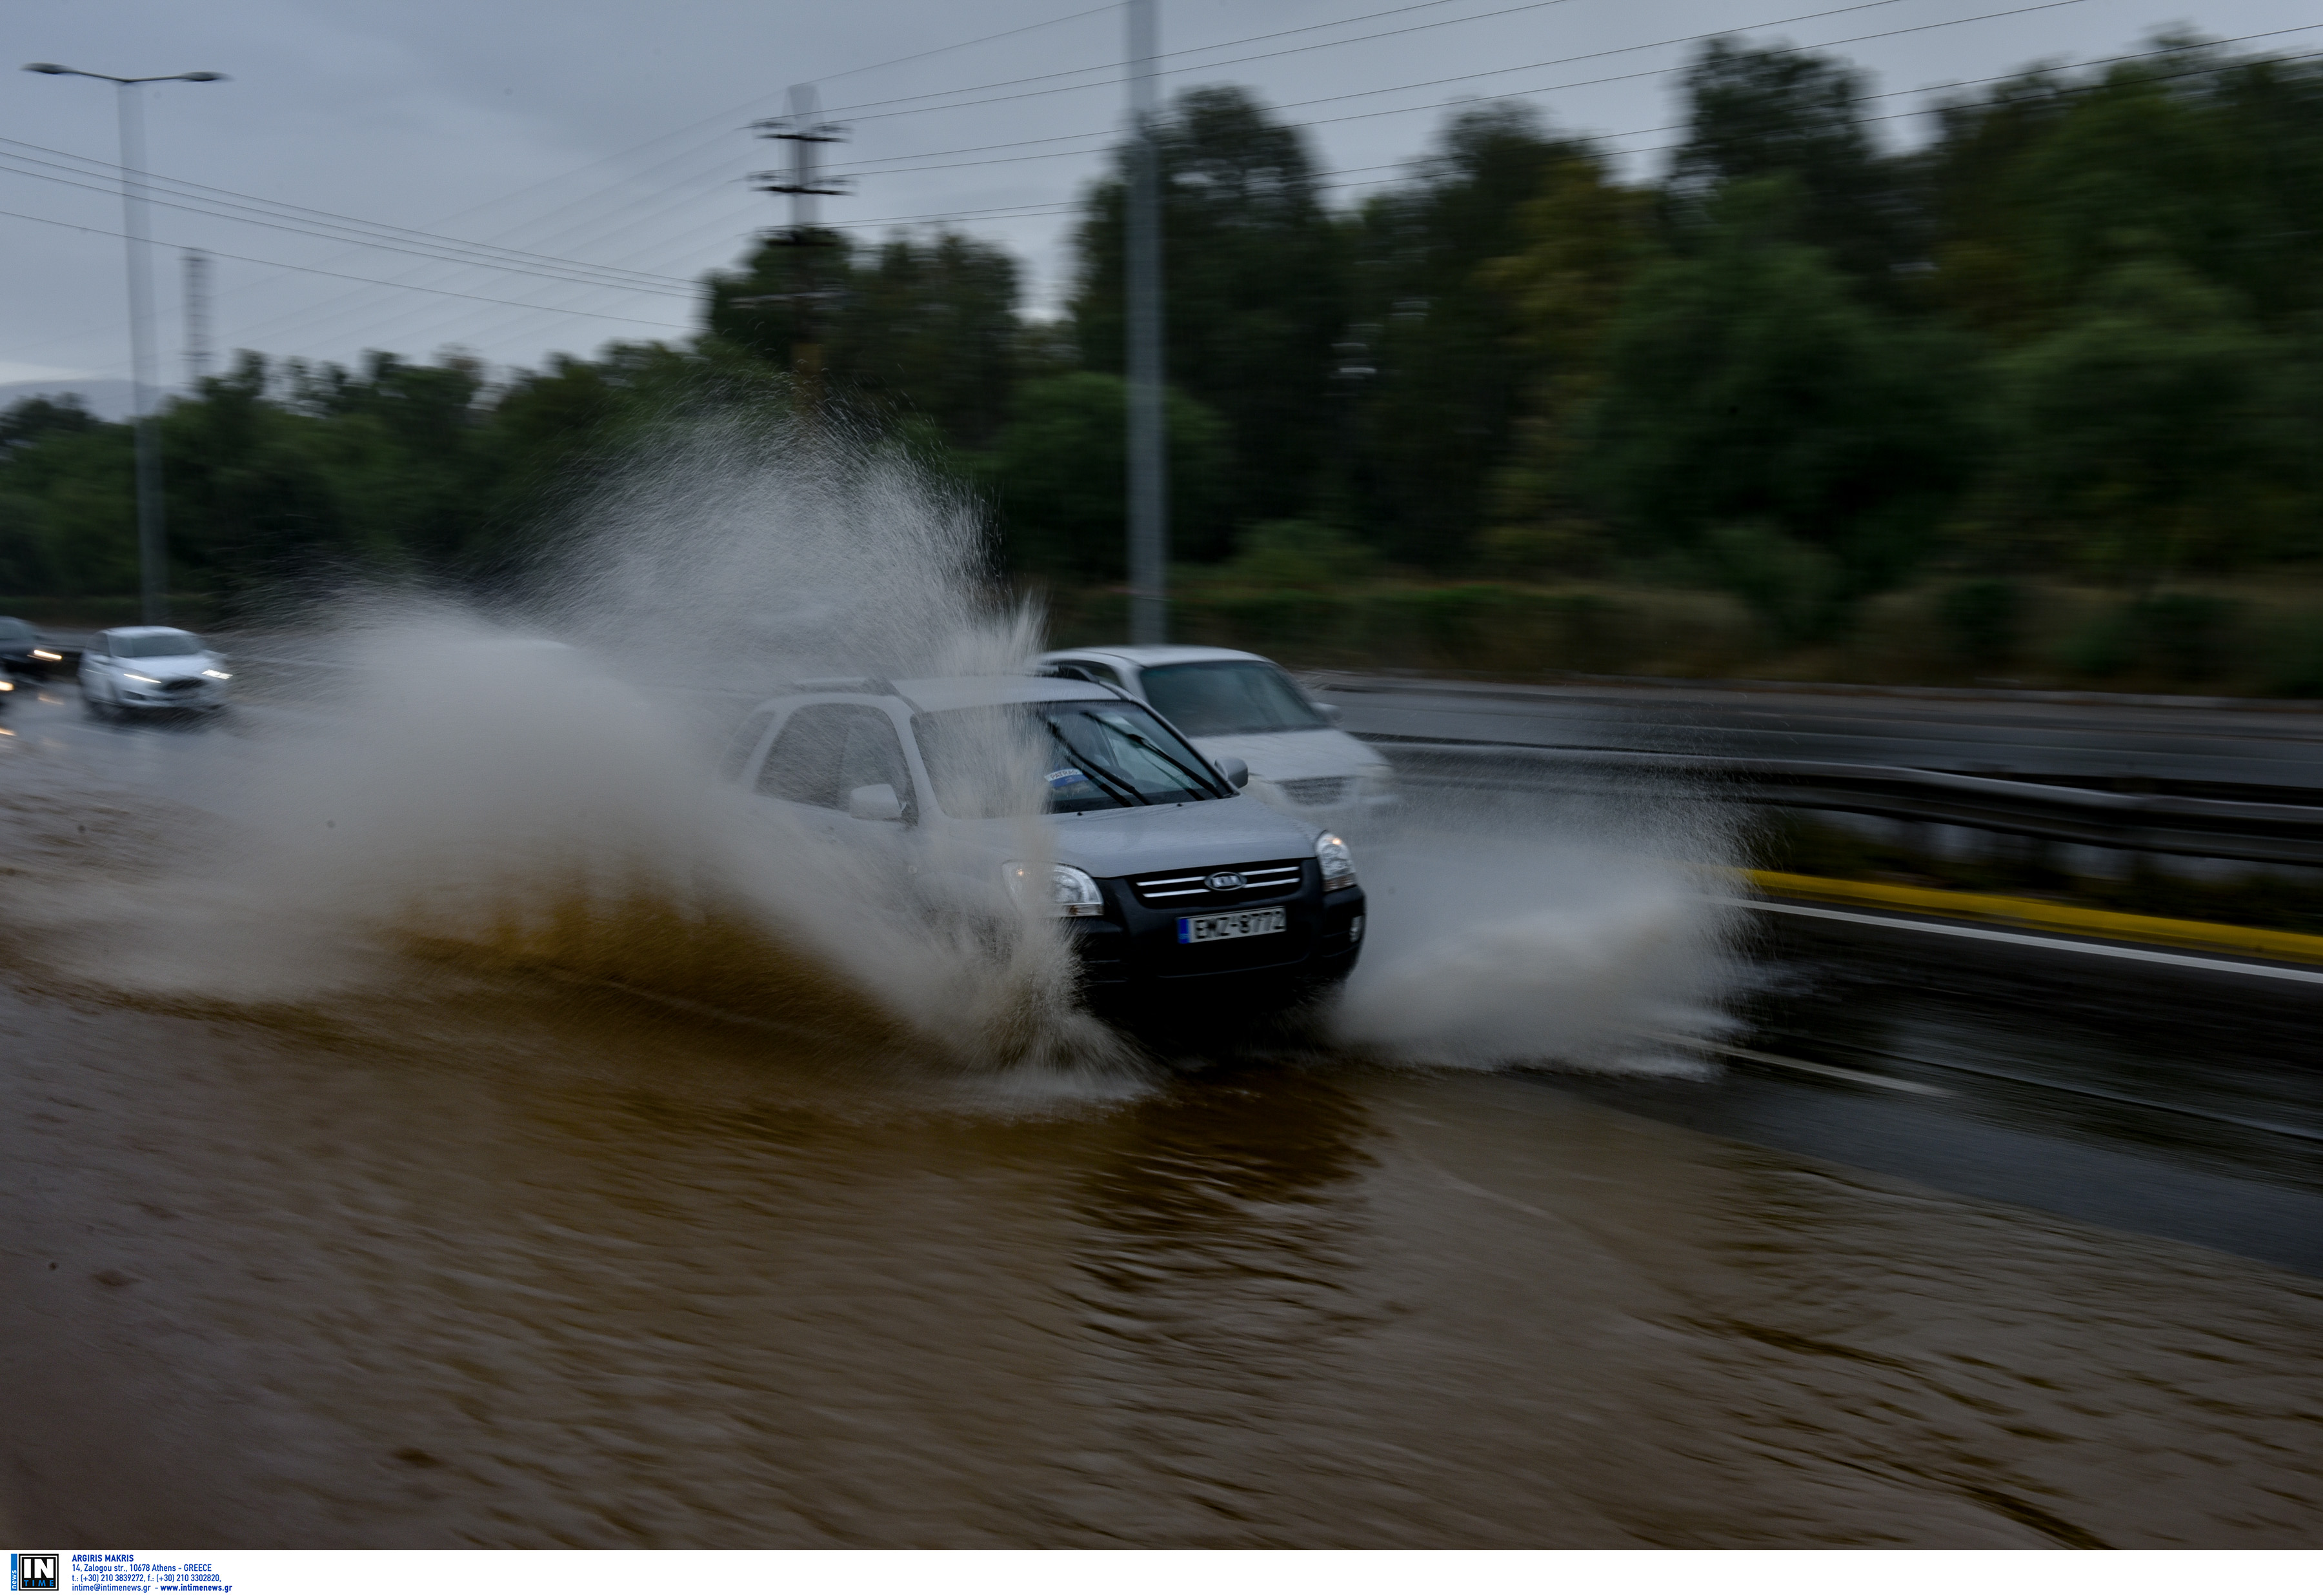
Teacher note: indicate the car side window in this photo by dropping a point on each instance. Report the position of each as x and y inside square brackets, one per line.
[101, 644]
[826, 751]
[736, 761]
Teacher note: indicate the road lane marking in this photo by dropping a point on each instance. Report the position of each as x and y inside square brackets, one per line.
[2054, 944]
[1859, 1077]
[2035, 914]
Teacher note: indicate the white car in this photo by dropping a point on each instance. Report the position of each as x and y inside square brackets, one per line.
[151, 668]
[1243, 706]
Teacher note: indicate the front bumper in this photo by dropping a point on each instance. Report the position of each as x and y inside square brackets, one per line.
[1131, 957]
[209, 696]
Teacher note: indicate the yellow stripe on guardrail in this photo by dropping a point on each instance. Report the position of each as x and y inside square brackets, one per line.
[2033, 914]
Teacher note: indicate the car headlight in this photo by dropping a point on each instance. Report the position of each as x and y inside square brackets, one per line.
[6, 685]
[1337, 859]
[133, 676]
[44, 654]
[1054, 889]
[220, 676]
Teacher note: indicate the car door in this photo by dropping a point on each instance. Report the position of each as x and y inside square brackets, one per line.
[824, 754]
[93, 658]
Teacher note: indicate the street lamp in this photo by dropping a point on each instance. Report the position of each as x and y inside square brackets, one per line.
[152, 554]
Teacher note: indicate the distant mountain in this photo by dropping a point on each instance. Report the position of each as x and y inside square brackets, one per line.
[108, 397]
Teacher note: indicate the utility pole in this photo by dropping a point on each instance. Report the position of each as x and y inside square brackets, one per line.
[804, 131]
[1149, 445]
[152, 549]
[197, 317]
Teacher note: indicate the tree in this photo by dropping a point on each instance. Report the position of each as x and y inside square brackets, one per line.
[1760, 418]
[1757, 114]
[2151, 432]
[909, 328]
[1062, 470]
[1585, 238]
[1441, 336]
[2048, 184]
[1252, 294]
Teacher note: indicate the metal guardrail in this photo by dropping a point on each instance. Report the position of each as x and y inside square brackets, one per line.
[2144, 822]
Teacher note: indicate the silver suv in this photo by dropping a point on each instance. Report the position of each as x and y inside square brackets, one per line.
[1171, 883]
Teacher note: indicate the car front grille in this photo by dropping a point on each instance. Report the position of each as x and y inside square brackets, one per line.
[1191, 889]
[182, 684]
[1316, 789]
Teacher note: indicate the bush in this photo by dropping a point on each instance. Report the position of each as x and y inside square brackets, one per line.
[1299, 554]
[1981, 619]
[2182, 637]
[2296, 666]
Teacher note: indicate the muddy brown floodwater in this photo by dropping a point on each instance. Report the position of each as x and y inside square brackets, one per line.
[501, 1258]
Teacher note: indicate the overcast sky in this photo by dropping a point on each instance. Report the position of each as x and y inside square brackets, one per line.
[606, 140]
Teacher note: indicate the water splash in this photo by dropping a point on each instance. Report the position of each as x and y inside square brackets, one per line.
[484, 792]
[1529, 930]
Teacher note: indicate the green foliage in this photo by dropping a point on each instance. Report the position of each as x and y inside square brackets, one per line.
[1787, 113]
[1061, 475]
[2147, 432]
[2295, 665]
[1756, 412]
[1251, 289]
[1437, 370]
[1982, 619]
[1299, 554]
[903, 328]
[2177, 637]
[1798, 591]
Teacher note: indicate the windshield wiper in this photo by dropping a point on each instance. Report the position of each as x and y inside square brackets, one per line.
[1162, 753]
[1112, 780]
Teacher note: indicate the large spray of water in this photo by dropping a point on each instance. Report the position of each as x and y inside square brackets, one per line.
[534, 791]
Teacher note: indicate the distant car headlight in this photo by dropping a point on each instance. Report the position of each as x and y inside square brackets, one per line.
[220, 676]
[1337, 859]
[1067, 892]
[133, 676]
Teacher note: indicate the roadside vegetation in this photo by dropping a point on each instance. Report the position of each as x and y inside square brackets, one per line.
[2033, 403]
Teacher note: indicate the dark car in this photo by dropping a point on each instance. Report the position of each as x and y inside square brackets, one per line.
[22, 653]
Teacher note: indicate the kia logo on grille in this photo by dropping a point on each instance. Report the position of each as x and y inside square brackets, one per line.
[1225, 881]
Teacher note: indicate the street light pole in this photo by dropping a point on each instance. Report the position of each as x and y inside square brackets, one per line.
[153, 547]
[1149, 481]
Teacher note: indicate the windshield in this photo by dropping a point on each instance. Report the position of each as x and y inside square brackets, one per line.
[1221, 698]
[156, 645]
[1084, 755]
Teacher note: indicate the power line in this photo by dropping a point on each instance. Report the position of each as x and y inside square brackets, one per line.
[203, 190]
[1558, 61]
[318, 272]
[1227, 44]
[19, 165]
[1520, 94]
[987, 38]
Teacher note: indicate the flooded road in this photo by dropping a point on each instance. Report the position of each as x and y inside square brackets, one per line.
[480, 1254]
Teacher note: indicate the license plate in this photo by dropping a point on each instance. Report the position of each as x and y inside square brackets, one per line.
[1220, 927]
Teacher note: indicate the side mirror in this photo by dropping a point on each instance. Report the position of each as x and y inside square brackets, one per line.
[1333, 713]
[1236, 772]
[875, 803]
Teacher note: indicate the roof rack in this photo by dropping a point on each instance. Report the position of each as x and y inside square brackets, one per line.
[878, 685]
